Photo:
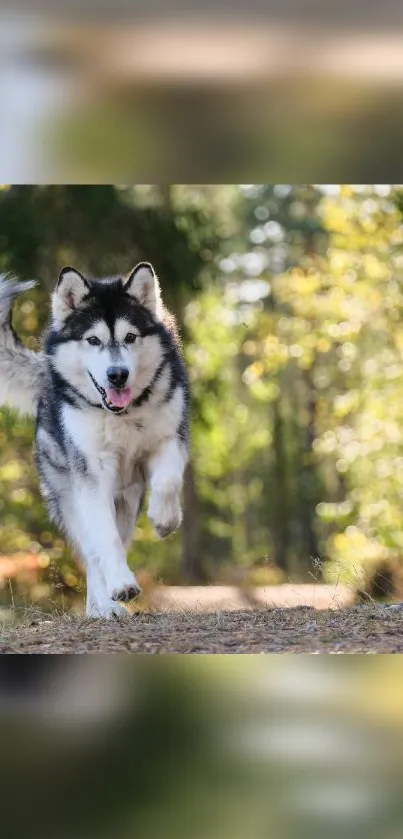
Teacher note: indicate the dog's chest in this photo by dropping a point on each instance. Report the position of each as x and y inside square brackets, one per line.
[114, 444]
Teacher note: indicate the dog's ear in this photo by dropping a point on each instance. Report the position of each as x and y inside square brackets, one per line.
[142, 284]
[69, 293]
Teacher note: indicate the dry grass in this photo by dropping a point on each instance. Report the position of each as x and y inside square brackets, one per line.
[360, 629]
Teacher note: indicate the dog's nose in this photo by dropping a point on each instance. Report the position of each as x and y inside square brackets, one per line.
[117, 376]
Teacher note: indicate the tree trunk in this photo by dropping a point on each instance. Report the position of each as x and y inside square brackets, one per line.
[309, 473]
[191, 543]
[280, 529]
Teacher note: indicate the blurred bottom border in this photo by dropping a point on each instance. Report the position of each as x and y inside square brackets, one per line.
[201, 746]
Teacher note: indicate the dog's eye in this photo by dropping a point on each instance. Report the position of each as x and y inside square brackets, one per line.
[130, 338]
[93, 340]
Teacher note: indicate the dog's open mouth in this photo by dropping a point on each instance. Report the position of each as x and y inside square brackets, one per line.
[114, 400]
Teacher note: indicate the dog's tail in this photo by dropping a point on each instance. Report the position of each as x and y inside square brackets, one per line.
[21, 369]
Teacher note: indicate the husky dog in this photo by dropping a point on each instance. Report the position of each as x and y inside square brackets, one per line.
[110, 394]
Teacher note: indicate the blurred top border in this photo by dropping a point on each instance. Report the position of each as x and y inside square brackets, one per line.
[311, 12]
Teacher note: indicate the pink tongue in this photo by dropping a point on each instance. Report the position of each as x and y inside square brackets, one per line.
[120, 398]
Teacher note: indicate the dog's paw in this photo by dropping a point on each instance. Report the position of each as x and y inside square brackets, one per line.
[126, 593]
[123, 586]
[106, 610]
[165, 513]
[164, 530]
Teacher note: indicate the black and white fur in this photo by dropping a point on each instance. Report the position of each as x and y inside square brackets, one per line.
[97, 453]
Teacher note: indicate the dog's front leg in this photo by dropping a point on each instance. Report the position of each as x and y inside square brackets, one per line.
[98, 604]
[92, 527]
[166, 468]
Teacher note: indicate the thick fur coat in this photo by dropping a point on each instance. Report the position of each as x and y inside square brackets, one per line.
[110, 395]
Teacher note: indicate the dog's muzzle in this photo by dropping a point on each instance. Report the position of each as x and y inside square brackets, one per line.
[106, 402]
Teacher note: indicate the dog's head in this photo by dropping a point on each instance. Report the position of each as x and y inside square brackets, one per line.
[99, 330]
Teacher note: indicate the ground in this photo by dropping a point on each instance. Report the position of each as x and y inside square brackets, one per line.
[302, 629]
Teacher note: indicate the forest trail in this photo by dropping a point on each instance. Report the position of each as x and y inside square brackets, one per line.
[302, 629]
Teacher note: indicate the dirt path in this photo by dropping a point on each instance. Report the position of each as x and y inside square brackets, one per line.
[223, 598]
[361, 629]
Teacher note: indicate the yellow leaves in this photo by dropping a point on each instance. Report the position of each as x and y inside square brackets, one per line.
[12, 471]
[396, 238]
[31, 323]
[398, 338]
[323, 345]
[375, 269]
[336, 215]
[307, 285]
[43, 562]
[297, 287]
[272, 345]
[255, 371]
[263, 391]
[340, 542]
[346, 403]
[339, 263]
[22, 496]
[346, 191]
[350, 551]
[272, 356]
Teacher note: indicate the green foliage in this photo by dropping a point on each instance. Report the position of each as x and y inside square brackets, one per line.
[328, 348]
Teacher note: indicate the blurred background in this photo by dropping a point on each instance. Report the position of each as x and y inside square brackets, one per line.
[144, 90]
[235, 747]
[289, 300]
